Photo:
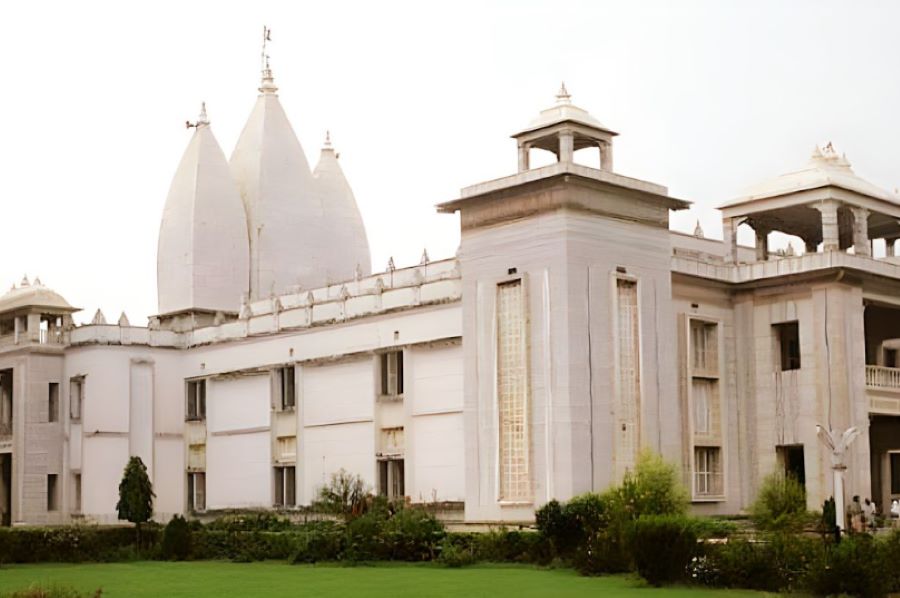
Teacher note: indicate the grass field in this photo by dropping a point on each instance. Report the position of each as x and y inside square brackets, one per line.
[220, 579]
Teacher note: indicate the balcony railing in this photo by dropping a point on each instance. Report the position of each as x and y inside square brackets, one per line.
[878, 376]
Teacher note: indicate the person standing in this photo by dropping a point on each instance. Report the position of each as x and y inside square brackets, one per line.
[869, 514]
[855, 512]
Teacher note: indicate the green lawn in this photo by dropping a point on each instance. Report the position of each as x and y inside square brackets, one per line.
[271, 579]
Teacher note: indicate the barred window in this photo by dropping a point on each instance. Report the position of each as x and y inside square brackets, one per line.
[704, 346]
[707, 471]
[703, 395]
[512, 393]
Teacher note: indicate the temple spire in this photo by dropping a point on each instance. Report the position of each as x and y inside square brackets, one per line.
[268, 81]
[563, 96]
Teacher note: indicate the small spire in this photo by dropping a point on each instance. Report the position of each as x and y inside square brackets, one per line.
[562, 96]
[202, 119]
[327, 145]
[37, 282]
[698, 230]
[99, 318]
[425, 258]
[268, 81]
[123, 320]
[24, 282]
[390, 266]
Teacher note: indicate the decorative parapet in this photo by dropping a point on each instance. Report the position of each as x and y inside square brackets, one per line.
[784, 266]
[395, 290]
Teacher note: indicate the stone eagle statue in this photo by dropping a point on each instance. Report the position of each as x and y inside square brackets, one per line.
[837, 444]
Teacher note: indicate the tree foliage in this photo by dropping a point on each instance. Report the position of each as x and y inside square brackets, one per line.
[346, 495]
[135, 493]
[780, 504]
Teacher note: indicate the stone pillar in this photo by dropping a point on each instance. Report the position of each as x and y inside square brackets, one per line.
[762, 244]
[861, 244]
[606, 156]
[524, 150]
[566, 146]
[889, 247]
[729, 236]
[34, 327]
[17, 329]
[830, 232]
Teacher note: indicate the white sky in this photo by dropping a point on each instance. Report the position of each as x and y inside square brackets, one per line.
[709, 97]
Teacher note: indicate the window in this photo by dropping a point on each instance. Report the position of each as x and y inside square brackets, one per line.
[284, 379]
[704, 346]
[707, 471]
[390, 479]
[392, 373]
[76, 502]
[196, 400]
[53, 402]
[196, 490]
[628, 371]
[52, 491]
[76, 393]
[788, 338]
[703, 395]
[895, 472]
[512, 393]
[286, 486]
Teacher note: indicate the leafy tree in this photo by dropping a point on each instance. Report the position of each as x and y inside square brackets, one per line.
[135, 495]
[780, 504]
[345, 495]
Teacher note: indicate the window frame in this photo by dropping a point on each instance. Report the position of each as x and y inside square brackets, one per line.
[713, 478]
[52, 402]
[197, 400]
[286, 388]
[285, 486]
[52, 492]
[191, 487]
[786, 359]
[76, 399]
[391, 374]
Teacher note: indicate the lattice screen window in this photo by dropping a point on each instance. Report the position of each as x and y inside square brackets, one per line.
[512, 393]
[703, 395]
[708, 471]
[629, 375]
[704, 346]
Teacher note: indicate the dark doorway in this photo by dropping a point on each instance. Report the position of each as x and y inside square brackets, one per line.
[5, 489]
[790, 456]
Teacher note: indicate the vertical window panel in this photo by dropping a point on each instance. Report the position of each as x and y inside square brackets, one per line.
[512, 394]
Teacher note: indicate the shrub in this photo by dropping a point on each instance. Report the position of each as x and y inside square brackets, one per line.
[72, 544]
[777, 563]
[654, 488]
[507, 546]
[135, 495]
[39, 591]
[176, 540]
[412, 534]
[555, 526]
[603, 551]
[856, 566]
[456, 554]
[318, 541]
[250, 522]
[662, 546]
[345, 495]
[780, 504]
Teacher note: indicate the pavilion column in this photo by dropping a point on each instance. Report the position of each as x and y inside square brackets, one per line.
[811, 246]
[889, 247]
[861, 244]
[524, 150]
[566, 146]
[729, 236]
[830, 232]
[762, 244]
[606, 156]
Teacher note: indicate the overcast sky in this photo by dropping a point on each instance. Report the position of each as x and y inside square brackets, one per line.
[420, 97]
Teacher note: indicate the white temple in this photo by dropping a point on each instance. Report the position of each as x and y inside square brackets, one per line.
[573, 329]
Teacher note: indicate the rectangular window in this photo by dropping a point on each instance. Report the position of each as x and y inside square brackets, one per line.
[52, 490]
[76, 394]
[512, 393]
[53, 402]
[196, 490]
[286, 388]
[628, 370]
[787, 336]
[703, 395]
[890, 358]
[704, 347]
[391, 483]
[196, 400]
[285, 486]
[392, 373]
[76, 502]
[707, 471]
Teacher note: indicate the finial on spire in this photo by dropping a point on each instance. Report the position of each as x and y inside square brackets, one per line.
[268, 81]
[563, 96]
[202, 119]
[327, 144]
[698, 230]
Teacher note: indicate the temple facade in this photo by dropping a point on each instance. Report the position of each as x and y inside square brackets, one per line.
[572, 330]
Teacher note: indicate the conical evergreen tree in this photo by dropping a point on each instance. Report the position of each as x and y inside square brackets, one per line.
[135, 495]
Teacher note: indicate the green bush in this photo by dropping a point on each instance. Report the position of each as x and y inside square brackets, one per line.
[662, 546]
[176, 539]
[39, 591]
[73, 544]
[776, 563]
[456, 554]
[346, 495]
[317, 542]
[507, 546]
[250, 522]
[856, 566]
[780, 504]
[412, 534]
[602, 552]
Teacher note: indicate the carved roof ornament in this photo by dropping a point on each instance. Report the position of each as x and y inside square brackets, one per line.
[563, 96]
[390, 265]
[425, 259]
[24, 282]
[268, 81]
[99, 318]
[37, 282]
[202, 119]
[123, 320]
[698, 231]
[345, 294]
[379, 285]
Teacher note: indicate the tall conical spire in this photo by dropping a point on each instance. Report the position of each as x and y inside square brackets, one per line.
[268, 80]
